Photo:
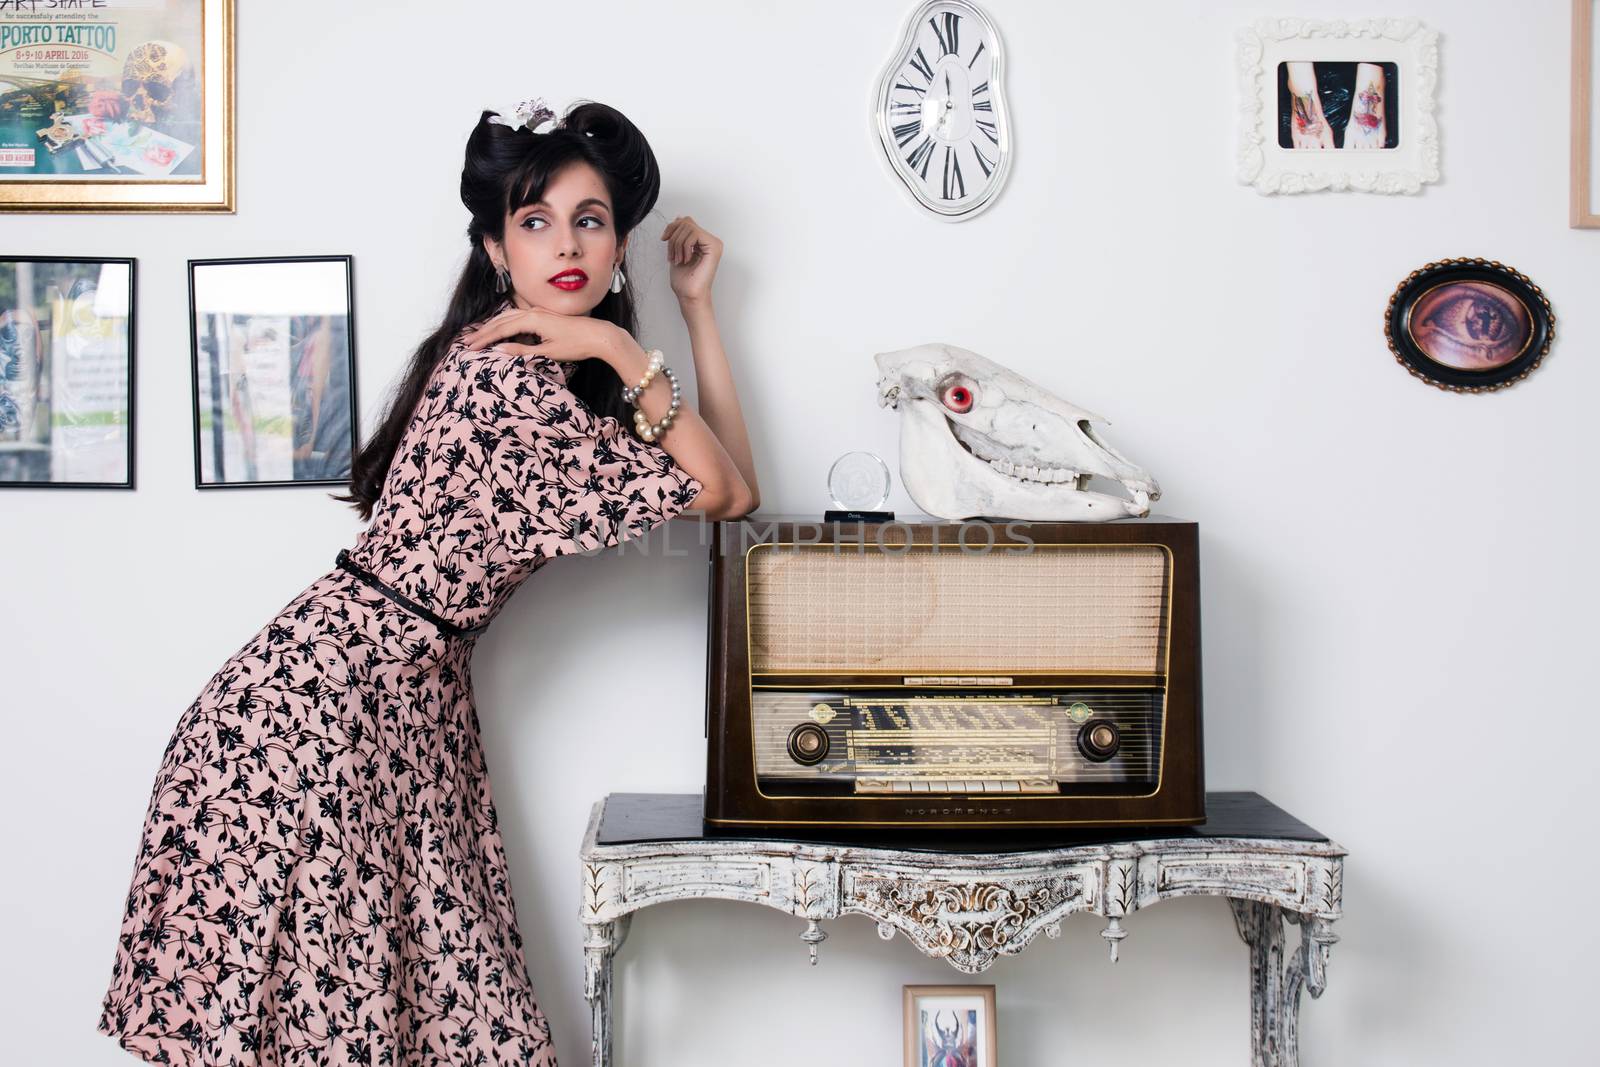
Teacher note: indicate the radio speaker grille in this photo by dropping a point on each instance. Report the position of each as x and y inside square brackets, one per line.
[1051, 608]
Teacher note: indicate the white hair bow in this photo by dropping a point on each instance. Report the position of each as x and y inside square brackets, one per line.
[530, 113]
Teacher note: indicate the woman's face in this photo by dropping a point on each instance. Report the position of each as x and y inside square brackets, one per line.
[568, 237]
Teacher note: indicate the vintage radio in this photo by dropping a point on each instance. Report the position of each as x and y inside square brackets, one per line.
[1018, 674]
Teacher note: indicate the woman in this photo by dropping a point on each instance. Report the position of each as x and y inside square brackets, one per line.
[321, 877]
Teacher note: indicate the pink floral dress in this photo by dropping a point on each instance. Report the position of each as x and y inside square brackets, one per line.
[321, 878]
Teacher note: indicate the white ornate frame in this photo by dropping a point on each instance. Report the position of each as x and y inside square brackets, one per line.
[1402, 169]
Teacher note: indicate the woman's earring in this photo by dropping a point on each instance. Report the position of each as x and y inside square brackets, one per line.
[617, 279]
[502, 279]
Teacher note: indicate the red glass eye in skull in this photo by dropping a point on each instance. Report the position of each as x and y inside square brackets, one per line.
[958, 394]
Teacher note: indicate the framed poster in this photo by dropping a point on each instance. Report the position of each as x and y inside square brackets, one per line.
[66, 372]
[272, 349]
[116, 105]
[1341, 106]
[1585, 117]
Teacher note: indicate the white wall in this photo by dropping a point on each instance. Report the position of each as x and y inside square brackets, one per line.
[1397, 580]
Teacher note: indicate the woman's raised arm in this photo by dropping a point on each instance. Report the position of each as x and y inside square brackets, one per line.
[689, 439]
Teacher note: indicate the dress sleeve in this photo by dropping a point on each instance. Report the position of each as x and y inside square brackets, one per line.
[560, 479]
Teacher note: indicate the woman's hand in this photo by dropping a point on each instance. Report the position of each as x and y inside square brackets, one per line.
[693, 253]
[566, 338]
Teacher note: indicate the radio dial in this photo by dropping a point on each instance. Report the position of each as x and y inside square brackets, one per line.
[1099, 739]
[808, 744]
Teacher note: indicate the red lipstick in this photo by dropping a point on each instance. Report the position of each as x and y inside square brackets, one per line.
[572, 279]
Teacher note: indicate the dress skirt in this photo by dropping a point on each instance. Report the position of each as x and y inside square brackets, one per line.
[321, 877]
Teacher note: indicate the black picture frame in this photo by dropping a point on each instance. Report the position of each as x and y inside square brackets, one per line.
[1400, 325]
[10, 371]
[209, 442]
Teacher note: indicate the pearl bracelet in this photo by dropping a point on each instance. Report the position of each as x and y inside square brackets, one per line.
[641, 422]
[657, 361]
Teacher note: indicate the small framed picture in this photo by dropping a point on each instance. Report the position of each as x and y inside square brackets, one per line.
[66, 372]
[1585, 116]
[950, 1026]
[272, 349]
[1469, 325]
[1342, 106]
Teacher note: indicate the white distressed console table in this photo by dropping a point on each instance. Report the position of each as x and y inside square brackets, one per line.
[969, 899]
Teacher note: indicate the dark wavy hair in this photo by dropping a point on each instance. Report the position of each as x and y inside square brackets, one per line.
[506, 168]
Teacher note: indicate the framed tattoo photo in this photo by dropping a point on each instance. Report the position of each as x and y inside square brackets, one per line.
[1341, 106]
[66, 372]
[272, 351]
[1469, 325]
[949, 1026]
[1585, 117]
[116, 105]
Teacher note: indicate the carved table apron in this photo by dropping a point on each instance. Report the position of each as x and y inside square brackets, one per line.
[967, 906]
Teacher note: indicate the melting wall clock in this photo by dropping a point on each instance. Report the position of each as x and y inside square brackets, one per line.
[939, 111]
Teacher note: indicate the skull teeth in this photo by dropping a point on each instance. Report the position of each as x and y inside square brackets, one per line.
[1022, 472]
[1042, 475]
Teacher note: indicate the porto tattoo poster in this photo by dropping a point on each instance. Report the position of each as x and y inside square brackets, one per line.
[100, 90]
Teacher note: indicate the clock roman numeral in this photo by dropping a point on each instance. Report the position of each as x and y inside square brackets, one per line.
[984, 162]
[975, 56]
[949, 39]
[982, 105]
[988, 129]
[906, 131]
[952, 165]
[918, 89]
[923, 153]
[924, 68]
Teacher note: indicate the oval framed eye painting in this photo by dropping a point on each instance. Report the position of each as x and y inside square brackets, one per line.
[1469, 325]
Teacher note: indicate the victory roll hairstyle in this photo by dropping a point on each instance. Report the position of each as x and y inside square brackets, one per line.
[506, 168]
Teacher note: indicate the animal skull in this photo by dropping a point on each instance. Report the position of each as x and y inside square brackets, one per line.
[979, 440]
[148, 77]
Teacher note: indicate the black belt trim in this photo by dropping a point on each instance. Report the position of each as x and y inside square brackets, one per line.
[444, 625]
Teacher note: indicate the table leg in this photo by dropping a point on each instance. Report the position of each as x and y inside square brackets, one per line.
[600, 944]
[1276, 981]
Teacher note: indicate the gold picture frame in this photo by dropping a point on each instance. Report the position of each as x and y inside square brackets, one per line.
[65, 112]
[970, 1035]
[1585, 210]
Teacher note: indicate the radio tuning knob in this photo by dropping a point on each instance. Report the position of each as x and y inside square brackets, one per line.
[1099, 739]
[808, 744]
